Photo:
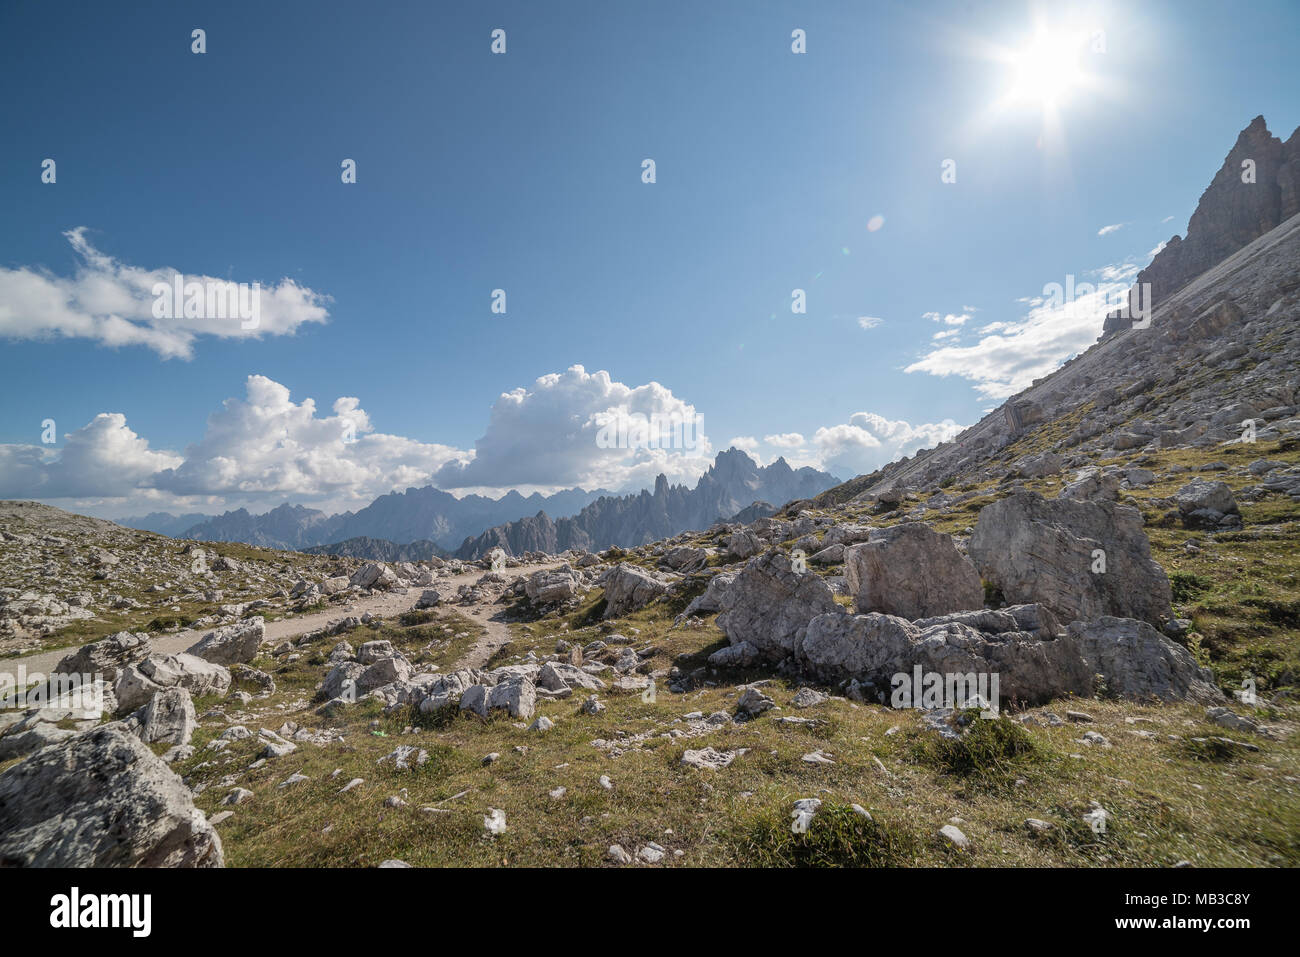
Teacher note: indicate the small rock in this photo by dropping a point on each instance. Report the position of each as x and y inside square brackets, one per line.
[954, 834]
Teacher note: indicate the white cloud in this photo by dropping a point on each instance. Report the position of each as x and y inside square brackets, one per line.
[266, 446]
[546, 436]
[1158, 249]
[1107, 230]
[869, 322]
[112, 303]
[868, 441]
[945, 334]
[1011, 354]
[785, 440]
[102, 458]
[949, 319]
[257, 452]
[1166, 219]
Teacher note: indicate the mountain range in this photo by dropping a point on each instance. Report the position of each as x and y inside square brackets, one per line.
[733, 483]
[410, 516]
[409, 525]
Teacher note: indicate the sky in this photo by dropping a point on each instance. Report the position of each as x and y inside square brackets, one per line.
[922, 172]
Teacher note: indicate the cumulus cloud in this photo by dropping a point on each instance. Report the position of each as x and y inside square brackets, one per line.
[1107, 230]
[550, 435]
[264, 448]
[869, 322]
[862, 444]
[112, 303]
[102, 458]
[257, 451]
[266, 445]
[1062, 322]
[868, 441]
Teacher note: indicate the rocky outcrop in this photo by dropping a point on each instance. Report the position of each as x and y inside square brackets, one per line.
[712, 599]
[1211, 505]
[873, 648]
[1138, 662]
[551, 587]
[373, 575]
[101, 799]
[137, 684]
[629, 588]
[769, 605]
[106, 657]
[168, 718]
[1232, 213]
[912, 571]
[1082, 560]
[233, 644]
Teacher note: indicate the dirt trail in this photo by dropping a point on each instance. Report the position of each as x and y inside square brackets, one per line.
[491, 617]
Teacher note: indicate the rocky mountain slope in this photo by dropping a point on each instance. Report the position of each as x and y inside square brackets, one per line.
[1221, 348]
[734, 482]
[1256, 189]
[66, 576]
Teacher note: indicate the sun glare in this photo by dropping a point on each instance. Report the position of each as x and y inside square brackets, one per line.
[1047, 70]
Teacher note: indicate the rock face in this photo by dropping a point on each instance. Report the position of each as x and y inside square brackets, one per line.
[552, 587]
[769, 605]
[628, 588]
[912, 571]
[233, 644]
[101, 799]
[873, 648]
[1232, 213]
[1140, 663]
[138, 683]
[168, 717]
[711, 600]
[1205, 504]
[106, 657]
[373, 575]
[1045, 550]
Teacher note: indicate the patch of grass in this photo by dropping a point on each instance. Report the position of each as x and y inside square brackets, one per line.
[1215, 749]
[1187, 586]
[990, 751]
[837, 836]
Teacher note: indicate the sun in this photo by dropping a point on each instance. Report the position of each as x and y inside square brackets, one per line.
[1048, 69]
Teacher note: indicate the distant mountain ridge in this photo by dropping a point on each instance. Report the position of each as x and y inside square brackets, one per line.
[398, 517]
[381, 550]
[164, 523]
[733, 483]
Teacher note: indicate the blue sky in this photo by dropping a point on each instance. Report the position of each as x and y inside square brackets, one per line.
[522, 172]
